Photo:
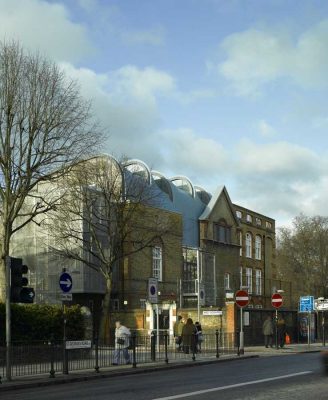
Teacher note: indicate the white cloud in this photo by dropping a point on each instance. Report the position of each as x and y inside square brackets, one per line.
[153, 37]
[44, 26]
[265, 129]
[256, 57]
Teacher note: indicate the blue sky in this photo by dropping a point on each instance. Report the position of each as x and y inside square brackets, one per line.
[226, 92]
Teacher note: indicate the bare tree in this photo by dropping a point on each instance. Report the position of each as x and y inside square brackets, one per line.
[45, 128]
[107, 216]
[302, 255]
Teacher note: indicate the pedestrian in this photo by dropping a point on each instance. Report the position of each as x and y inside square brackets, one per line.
[281, 330]
[268, 331]
[122, 342]
[199, 337]
[189, 336]
[177, 332]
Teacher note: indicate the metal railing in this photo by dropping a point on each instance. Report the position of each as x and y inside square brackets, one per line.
[50, 358]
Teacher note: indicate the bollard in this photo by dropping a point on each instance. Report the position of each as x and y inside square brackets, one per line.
[52, 359]
[217, 343]
[134, 358]
[153, 346]
[97, 354]
[165, 346]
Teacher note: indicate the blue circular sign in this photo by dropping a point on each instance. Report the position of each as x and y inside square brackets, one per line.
[65, 282]
[152, 290]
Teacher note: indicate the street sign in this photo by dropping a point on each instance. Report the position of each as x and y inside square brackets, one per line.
[153, 290]
[78, 344]
[65, 282]
[66, 297]
[306, 304]
[276, 300]
[321, 305]
[212, 312]
[242, 298]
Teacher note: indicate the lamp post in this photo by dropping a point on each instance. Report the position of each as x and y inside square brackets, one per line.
[321, 301]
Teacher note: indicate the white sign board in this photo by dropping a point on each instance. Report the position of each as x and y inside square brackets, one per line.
[321, 305]
[153, 290]
[212, 312]
[78, 344]
[66, 297]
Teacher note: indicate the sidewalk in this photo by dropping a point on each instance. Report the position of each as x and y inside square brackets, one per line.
[123, 370]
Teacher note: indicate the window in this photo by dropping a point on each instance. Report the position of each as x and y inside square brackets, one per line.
[226, 281]
[222, 232]
[157, 262]
[241, 243]
[249, 218]
[248, 245]
[258, 247]
[258, 282]
[241, 280]
[268, 225]
[249, 279]
[258, 222]
[239, 214]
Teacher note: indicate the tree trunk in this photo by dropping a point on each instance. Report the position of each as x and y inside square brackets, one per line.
[5, 243]
[104, 328]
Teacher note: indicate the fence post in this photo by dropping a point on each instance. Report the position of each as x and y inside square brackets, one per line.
[165, 347]
[134, 358]
[97, 354]
[217, 343]
[153, 345]
[193, 345]
[52, 359]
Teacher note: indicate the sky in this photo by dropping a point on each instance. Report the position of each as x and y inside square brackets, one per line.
[229, 92]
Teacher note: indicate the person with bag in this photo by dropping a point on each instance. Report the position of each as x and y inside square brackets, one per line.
[199, 337]
[177, 332]
[122, 342]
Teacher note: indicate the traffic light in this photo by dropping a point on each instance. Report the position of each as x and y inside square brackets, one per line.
[19, 293]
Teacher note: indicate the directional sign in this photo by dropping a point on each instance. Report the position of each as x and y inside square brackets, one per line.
[242, 298]
[153, 290]
[65, 282]
[306, 303]
[276, 300]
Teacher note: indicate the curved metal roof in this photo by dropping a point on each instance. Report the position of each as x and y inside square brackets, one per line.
[184, 183]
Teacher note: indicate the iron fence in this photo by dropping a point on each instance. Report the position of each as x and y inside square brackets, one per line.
[51, 358]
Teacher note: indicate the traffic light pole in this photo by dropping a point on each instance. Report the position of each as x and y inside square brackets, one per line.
[8, 320]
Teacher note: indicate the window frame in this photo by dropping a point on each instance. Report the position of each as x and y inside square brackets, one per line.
[249, 279]
[258, 282]
[227, 281]
[258, 247]
[157, 263]
[249, 245]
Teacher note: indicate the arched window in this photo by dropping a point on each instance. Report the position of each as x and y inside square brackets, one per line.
[258, 247]
[248, 245]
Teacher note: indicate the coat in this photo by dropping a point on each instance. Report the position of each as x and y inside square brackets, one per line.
[122, 333]
[188, 335]
[178, 327]
[267, 327]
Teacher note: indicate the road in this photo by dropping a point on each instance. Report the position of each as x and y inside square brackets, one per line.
[297, 376]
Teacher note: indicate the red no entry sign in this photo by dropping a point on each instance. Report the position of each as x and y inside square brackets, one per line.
[276, 300]
[242, 298]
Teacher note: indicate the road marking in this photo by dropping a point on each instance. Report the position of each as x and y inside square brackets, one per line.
[236, 385]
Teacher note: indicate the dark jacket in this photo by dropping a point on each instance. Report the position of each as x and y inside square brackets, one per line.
[188, 334]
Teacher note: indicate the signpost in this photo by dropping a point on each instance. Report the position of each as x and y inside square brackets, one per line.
[65, 284]
[307, 305]
[276, 301]
[242, 300]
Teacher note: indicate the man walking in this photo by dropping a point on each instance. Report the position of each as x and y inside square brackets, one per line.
[268, 331]
[122, 342]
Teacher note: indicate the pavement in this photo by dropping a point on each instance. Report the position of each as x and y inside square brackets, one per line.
[28, 382]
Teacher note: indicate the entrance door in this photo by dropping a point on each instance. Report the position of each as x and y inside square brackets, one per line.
[163, 319]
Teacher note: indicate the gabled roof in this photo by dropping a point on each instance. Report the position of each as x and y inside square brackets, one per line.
[211, 205]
